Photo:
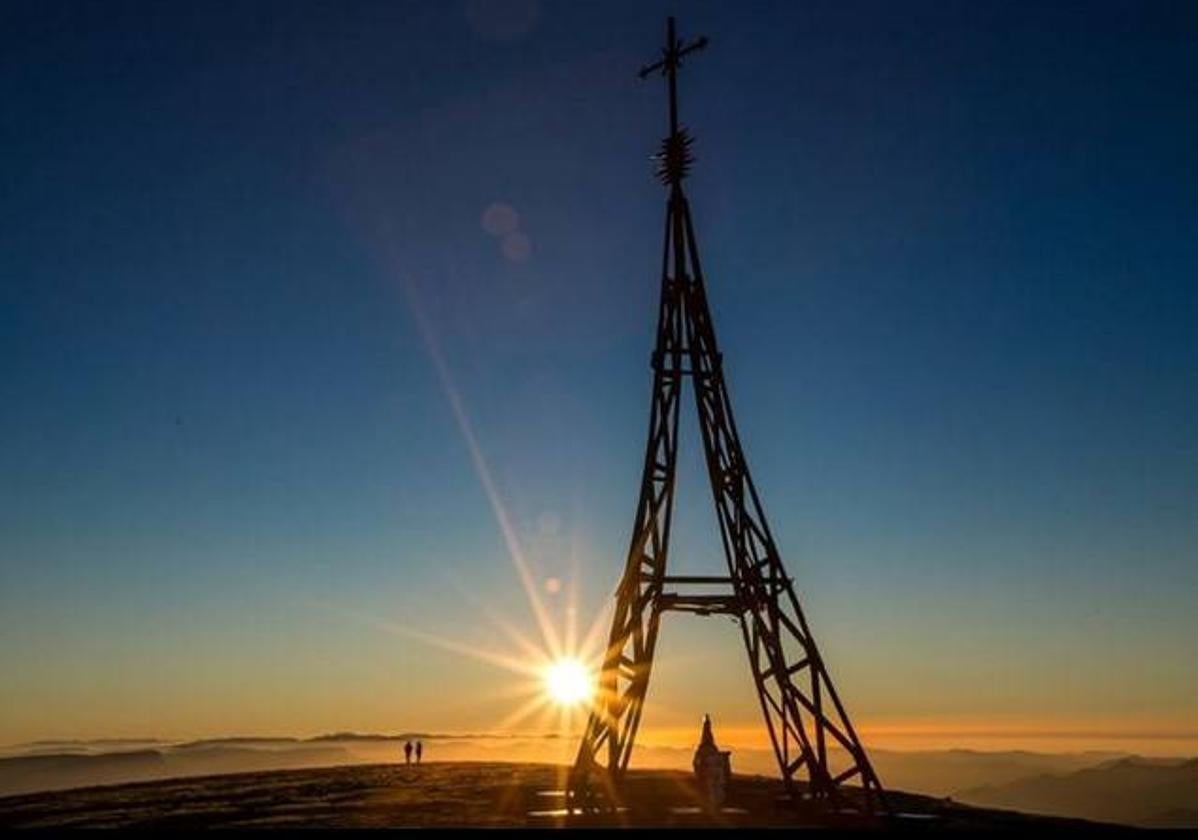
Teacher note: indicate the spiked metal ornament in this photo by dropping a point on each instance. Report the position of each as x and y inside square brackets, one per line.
[675, 158]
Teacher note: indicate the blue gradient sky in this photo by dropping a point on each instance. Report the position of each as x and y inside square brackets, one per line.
[951, 251]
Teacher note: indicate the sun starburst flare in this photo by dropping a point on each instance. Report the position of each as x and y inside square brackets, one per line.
[569, 682]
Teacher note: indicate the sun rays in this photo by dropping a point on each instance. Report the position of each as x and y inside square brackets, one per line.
[553, 659]
[557, 666]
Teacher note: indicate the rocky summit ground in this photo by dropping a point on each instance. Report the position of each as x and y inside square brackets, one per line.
[446, 795]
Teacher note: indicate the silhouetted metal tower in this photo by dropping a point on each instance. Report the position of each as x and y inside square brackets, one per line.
[803, 714]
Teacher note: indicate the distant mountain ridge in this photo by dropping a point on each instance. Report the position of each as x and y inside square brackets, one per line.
[945, 772]
[71, 763]
[59, 771]
[74, 746]
[1134, 790]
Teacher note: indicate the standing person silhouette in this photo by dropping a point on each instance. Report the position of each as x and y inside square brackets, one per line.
[419, 750]
[407, 752]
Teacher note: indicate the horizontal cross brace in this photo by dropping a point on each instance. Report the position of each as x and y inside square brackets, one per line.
[703, 374]
[700, 604]
[657, 357]
[701, 580]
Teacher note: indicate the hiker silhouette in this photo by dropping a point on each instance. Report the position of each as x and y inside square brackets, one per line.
[407, 752]
[419, 750]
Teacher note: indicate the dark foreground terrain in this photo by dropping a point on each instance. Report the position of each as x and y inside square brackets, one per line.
[442, 795]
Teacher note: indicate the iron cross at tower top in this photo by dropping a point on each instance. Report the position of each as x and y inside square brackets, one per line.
[674, 159]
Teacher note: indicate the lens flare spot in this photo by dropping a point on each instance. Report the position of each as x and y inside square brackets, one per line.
[500, 219]
[516, 247]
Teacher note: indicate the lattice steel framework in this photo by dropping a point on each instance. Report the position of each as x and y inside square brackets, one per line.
[803, 713]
